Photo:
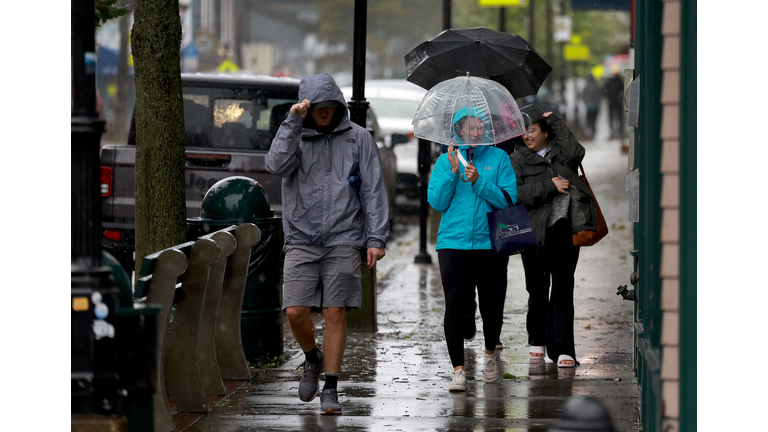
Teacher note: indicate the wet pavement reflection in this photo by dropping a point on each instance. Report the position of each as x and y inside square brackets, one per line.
[397, 378]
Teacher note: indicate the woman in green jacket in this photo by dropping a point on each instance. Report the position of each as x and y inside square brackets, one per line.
[545, 158]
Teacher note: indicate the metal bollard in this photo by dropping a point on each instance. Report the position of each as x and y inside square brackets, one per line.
[584, 414]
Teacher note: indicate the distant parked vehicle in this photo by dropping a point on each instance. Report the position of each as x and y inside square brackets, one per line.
[388, 160]
[395, 103]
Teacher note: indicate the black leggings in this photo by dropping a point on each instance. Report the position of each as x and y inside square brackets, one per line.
[461, 271]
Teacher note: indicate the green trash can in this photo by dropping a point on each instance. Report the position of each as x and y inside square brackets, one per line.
[237, 200]
[136, 339]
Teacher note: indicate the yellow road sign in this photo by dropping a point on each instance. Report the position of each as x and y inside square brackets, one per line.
[228, 66]
[502, 3]
[575, 51]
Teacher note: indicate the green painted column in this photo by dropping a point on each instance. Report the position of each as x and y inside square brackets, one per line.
[688, 243]
[648, 145]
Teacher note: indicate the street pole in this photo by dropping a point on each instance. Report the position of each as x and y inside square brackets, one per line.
[358, 106]
[531, 16]
[425, 163]
[502, 20]
[446, 14]
[121, 111]
[550, 37]
[363, 319]
[563, 8]
[94, 300]
[424, 159]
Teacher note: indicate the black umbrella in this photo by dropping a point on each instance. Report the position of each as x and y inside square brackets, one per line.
[502, 57]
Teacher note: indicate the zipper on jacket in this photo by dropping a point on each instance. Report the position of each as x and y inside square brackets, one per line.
[326, 189]
[545, 213]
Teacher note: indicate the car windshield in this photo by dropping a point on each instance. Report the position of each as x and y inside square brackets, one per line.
[397, 108]
[219, 119]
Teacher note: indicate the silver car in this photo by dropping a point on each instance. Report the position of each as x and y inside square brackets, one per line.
[395, 102]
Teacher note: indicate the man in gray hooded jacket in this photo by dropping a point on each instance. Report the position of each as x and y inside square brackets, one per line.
[327, 222]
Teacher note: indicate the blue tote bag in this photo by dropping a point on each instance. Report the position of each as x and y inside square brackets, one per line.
[510, 228]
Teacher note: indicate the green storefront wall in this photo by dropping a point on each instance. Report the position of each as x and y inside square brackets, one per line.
[647, 254]
[648, 246]
[688, 288]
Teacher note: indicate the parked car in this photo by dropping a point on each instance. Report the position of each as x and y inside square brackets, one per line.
[395, 102]
[230, 121]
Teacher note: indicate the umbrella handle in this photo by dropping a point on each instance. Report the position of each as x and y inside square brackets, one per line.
[463, 177]
[461, 158]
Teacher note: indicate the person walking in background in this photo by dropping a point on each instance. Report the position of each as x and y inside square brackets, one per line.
[545, 158]
[326, 225]
[464, 195]
[614, 92]
[592, 96]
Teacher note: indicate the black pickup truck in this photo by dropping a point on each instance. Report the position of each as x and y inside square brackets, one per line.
[229, 121]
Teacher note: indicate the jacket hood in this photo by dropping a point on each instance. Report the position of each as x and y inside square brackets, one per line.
[474, 112]
[322, 88]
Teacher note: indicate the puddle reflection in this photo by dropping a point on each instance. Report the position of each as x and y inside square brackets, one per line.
[494, 403]
[549, 386]
[317, 423]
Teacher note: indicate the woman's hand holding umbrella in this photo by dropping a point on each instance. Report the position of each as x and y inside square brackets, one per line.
[470, 172]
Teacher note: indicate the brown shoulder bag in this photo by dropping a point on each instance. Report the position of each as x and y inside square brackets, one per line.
[587, 237]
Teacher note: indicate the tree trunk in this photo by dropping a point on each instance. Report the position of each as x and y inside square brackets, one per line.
[160, 201]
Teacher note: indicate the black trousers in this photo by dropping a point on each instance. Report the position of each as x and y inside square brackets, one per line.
[550, 315]
[461, 271]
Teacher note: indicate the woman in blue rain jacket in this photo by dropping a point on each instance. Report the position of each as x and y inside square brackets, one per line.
[464, 195]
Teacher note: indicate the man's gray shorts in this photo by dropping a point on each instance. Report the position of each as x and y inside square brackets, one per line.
[316, 276]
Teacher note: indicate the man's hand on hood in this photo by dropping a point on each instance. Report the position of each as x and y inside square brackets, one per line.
[301, 109]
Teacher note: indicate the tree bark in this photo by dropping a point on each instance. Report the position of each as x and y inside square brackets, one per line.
[160, 200]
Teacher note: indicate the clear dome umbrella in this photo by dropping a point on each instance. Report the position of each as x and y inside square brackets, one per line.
[445, 111]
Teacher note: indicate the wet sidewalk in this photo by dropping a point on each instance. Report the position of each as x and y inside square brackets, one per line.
[397, 378]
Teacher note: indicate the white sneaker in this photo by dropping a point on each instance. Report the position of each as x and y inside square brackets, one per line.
[459, 382]
[492, 371]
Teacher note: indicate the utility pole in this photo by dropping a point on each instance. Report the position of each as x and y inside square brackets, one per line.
[531, 16]
[94, 300]
[121, 111]
[358, 106]
[363, 319]
[550, 37]
[446, 14]
[424, 158]
[563, 66]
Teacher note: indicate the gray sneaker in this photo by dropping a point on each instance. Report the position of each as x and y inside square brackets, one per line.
[329, 402]
[459, 381]
[492, 371]
[308, 386]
